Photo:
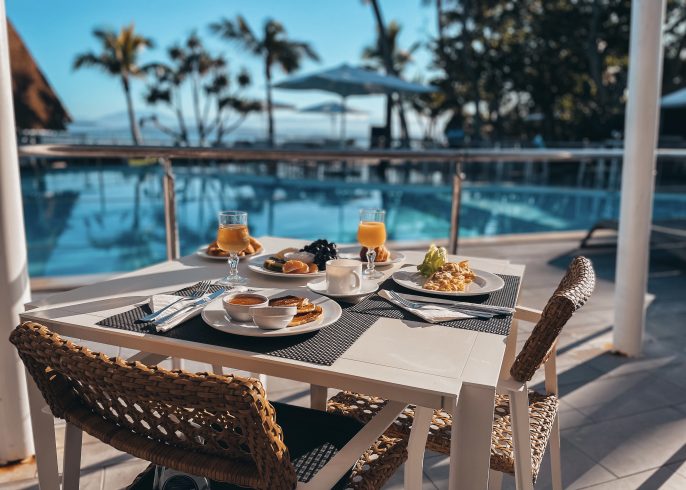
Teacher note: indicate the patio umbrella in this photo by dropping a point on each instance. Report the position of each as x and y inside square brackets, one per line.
[674, 100]
[332, 109]
[346, 80]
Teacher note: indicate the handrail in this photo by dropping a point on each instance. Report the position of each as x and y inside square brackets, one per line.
[282, 154]
[165, 155]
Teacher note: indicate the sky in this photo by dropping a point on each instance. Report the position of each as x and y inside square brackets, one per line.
[56, 30]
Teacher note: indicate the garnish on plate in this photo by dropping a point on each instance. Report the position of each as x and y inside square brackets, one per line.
[433, 260]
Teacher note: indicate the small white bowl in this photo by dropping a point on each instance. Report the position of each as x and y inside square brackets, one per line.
[241, 313]
[273, 317]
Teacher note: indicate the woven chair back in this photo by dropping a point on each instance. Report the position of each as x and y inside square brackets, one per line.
[226, 416]
[574, 290]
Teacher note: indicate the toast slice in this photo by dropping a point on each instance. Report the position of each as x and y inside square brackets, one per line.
[303, 318]
[303, 304]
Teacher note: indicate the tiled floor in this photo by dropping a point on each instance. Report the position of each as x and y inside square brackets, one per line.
[623, 420]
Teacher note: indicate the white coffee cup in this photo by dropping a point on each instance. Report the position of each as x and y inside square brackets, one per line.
[343, 276]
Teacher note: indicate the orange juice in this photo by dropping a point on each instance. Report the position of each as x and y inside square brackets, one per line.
[233, 238]
[371, 234]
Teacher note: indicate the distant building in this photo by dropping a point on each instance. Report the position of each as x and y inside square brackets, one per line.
[36, 105]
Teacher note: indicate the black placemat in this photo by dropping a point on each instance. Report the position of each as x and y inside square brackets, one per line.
[321, 347]
[377, 306]
[129, 319]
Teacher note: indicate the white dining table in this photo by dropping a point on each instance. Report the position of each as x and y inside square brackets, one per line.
[411, 362]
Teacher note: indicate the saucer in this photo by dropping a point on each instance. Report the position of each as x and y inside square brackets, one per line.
[319, 286]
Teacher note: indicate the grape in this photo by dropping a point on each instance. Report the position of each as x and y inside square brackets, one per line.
[323, 251]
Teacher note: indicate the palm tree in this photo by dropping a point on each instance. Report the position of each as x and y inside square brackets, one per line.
[119, 58]
[274, 48]
[400, 58]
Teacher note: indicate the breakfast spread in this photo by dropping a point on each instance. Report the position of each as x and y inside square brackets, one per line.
[307, 312]
[310, 259]
[254, 247]
[443, 275]
[382, 254]
[451, 276]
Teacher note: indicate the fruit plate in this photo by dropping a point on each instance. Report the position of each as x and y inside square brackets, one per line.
[354, 253]
[202, 252]
[484, 283]
[256, 264]
[215, 316]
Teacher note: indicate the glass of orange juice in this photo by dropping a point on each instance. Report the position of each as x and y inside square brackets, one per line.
[371, 233]
[233, 237]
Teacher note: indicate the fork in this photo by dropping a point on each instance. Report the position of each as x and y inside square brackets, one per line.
[200, 291]
[418, 306]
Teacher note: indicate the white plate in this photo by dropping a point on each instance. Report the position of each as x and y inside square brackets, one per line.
[484, 283]
[202, 252]
[319, 287]
[354, 253]
[214, 315]
[255, 264]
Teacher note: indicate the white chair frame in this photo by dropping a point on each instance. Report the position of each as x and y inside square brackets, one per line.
[519, 411]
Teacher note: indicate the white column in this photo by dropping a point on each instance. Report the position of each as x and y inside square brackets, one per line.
[638, 175]
[15, 423]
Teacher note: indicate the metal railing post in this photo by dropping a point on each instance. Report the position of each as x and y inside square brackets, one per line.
[170, 224]
[455, 205]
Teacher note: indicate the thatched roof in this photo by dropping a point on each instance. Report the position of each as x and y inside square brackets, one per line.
[36, 105]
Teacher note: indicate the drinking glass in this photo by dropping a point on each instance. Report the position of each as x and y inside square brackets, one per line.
[371, 233]
[232, 237]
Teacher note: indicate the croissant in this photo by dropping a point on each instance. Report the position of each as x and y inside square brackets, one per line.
[382, 254]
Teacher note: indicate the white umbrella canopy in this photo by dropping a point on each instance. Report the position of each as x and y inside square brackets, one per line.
[346, 80]
[332, 109]
[674, 100]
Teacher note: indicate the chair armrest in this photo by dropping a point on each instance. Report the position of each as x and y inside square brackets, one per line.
[527, 314]
[511, 385]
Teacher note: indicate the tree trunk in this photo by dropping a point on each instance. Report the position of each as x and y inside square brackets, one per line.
[199, 123]
[270, 108]
[389, 121]
[133, 124]
[390, 69]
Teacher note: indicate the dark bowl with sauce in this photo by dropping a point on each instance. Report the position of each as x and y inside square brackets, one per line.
[238, 305]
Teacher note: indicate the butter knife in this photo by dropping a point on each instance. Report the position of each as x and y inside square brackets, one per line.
[194, 304]
[501, 310]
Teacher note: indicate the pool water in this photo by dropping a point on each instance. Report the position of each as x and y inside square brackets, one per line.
[111, 219]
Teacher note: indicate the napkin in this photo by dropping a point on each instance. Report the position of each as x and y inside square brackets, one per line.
[158, 301]
[429, 313]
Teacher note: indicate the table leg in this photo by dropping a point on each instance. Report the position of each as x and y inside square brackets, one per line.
[43, 426]
[470, 445]
[414, 466]
[319, 395]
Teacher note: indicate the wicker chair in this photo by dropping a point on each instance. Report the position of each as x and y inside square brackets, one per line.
[219, 427]
[510, 422]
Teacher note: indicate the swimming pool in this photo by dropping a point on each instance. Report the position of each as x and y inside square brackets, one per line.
[86, 220]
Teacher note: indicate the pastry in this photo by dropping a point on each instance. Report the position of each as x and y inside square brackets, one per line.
[302, 318]
[382, 254]
[303, 304]
[253, 247]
